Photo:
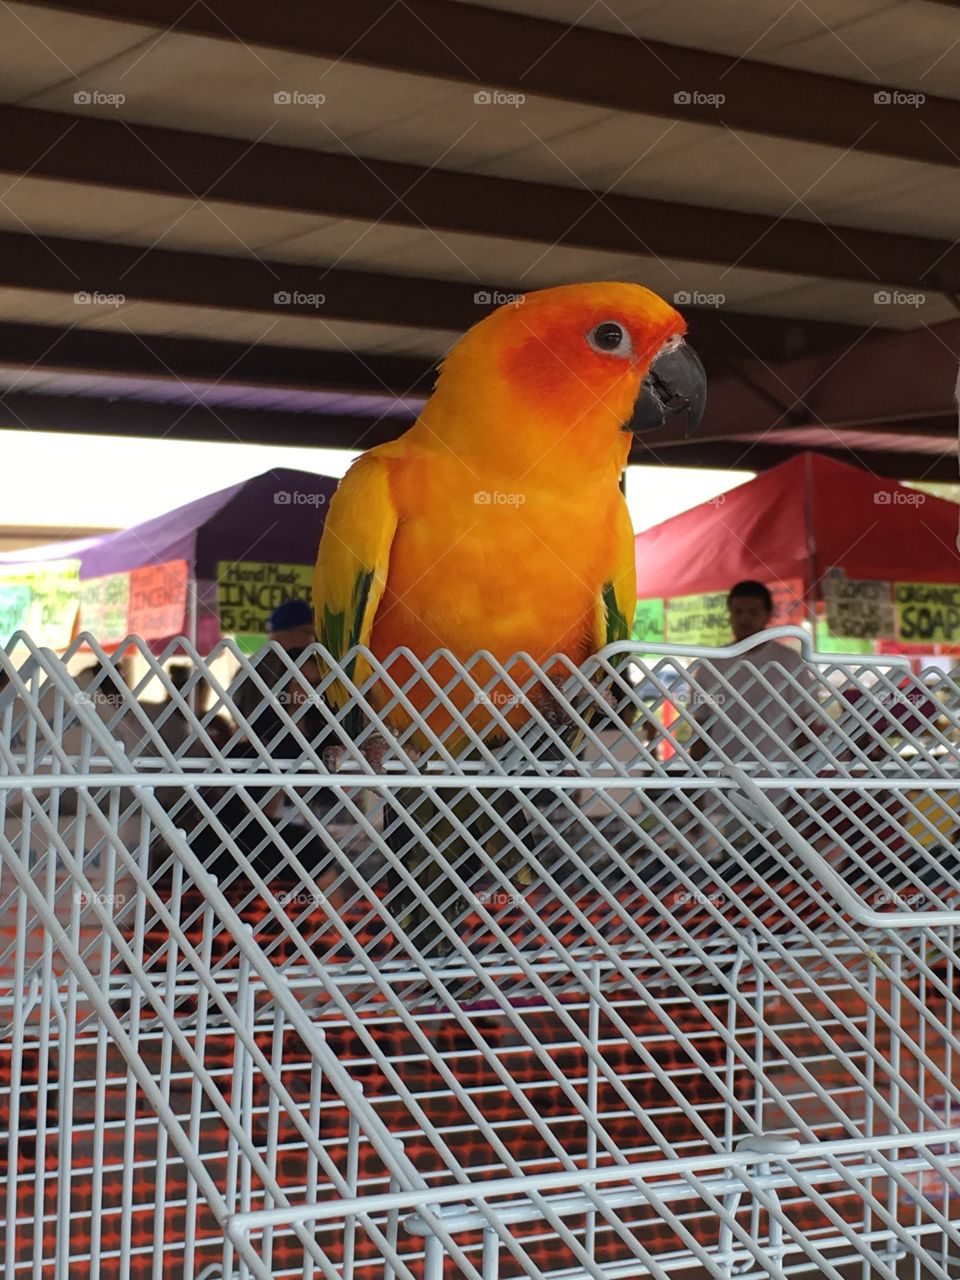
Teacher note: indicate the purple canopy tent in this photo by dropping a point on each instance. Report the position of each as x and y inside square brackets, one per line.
[245, 533]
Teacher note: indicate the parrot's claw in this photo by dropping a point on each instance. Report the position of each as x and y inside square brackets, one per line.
[557, 717]
[374, 751]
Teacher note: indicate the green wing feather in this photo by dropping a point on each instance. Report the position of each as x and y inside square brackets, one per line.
[352, 563]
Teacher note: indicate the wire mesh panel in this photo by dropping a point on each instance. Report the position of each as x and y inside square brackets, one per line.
[422, 969]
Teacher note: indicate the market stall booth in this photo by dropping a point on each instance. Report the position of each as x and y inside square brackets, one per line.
[216, 566]
[871, 564]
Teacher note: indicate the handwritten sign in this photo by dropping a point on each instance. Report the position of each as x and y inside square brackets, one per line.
[858, 608]
[701, 620]
[649, 622]
[14, 609]
[54, 587]
[927, 613]
[248, 592]
[157, 602]
[104, 604]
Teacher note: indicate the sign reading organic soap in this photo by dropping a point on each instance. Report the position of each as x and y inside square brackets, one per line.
[927, 613]
[701, 620]
[858, 608]
[248, 592]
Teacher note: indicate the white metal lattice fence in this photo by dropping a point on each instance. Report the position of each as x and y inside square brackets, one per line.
[637, 969]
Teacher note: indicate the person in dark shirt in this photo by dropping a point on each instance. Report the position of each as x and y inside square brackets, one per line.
[291, 628]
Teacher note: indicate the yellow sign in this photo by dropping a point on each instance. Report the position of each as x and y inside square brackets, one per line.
[701, 620]
[54, 587]
[248, 592]
[927, 612]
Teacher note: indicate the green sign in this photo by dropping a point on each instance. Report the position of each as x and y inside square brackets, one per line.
[649, 622]
[104, 603]
[827, 642]
[14, 609]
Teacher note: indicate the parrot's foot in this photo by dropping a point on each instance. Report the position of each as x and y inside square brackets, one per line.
[374, 751]
[557, 716]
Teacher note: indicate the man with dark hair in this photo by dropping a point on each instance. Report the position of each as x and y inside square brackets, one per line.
[750, 606]
[750, 705]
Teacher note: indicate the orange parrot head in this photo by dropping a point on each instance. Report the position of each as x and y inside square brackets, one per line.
[592, 363]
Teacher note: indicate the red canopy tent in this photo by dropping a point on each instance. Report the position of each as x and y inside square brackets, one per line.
[791, 525]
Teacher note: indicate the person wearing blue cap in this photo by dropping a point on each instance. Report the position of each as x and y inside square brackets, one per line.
[291, 624]
[291, 627]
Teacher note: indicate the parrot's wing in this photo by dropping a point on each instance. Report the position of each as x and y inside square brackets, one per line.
[352, 563]
[618, 597]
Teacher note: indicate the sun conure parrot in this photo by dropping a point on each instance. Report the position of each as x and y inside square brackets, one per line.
[496, 522]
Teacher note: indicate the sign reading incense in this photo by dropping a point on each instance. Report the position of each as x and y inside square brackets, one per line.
[248, 592]
[158, 600]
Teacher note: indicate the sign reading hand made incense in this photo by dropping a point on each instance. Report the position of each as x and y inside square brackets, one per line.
[248, 592]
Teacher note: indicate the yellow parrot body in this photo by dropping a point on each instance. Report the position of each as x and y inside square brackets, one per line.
[496, 522]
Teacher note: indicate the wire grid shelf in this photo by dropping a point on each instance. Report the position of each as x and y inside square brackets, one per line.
[642, 968]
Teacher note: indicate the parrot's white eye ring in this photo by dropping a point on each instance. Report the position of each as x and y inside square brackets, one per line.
[610, 338]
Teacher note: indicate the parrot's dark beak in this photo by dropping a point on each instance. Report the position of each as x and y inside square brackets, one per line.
[675, 381]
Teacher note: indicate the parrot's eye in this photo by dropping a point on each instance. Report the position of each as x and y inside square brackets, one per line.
[610, 338]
